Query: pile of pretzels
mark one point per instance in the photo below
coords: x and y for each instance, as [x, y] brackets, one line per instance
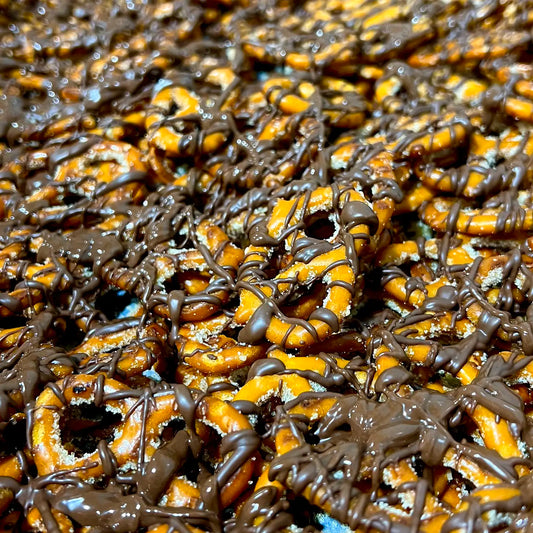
[266, 266]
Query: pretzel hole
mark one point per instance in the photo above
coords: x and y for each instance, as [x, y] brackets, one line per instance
[190, 282]
[228, 513]
[191, 471]
[319, 226]
[84, 425]
[190, 467]
[200, 201]
[210, 455]
[8, 284]
[448, 380]
[464, 431]
[268, 412]
[69, 334]
[71, 198]
[100, 161]
[498, 160]
[274, 265]
[450, 157]
[173, 108]
[306, 515]
[466, 485]
[372, 313]
[240, 375]
[12, 438]
[9, 322]
[419, 466]
[312, 438]
[171, 429]
[304, 300]
[413, 230]
[113, 303]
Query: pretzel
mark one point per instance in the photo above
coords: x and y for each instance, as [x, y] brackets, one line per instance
[120, 127]
[298, 129]
[47, 274]
[123, 59]
[93, 173]
[446, 136]
[447, 132]
[378, 45]
[130, 352]
[203, 346]
[500, 70]
[49, 452]
[169, 138]
[51, 455]
[227, 420]
[336, 55]
[472, 91]
[477, 175]
[427, 292]
[289, 440]
[519, 108]
[482, 221]
[165, 168]
[367, 21]
[476, 47]
[297, 332]
[287, 215]
[281, 92]
[398, 474]
[287, 387]
[278, 130]
[185, 21]
[495, 432]
[215, 260]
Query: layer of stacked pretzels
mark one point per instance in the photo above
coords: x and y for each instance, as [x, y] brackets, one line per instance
[266, 266]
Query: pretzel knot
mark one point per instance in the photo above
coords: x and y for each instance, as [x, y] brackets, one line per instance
[328, 259]
[506, 213]
[175, 110]
[134, 434]
[343, 103]
[111, 171]
[193, 283]
[205, 347]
